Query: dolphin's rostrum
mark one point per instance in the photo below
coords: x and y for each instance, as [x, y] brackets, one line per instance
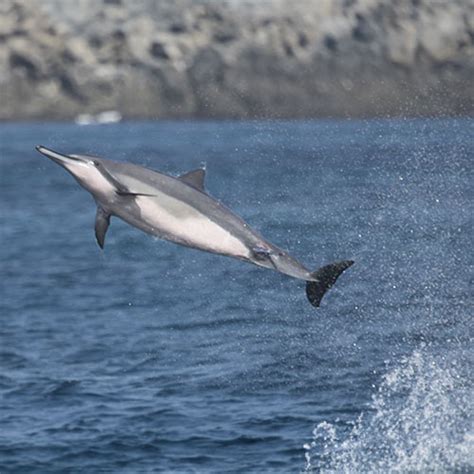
[180, 210]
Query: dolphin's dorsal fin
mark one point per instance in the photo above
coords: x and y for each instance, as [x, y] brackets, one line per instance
[194, 178]
[102, 221]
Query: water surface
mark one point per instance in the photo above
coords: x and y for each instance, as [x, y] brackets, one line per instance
[150, 357]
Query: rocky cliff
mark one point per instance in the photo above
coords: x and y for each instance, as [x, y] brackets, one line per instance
[240, 58]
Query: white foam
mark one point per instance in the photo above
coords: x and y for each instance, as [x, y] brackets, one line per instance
[418, 422]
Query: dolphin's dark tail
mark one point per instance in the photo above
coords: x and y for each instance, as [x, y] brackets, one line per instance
[325, 279]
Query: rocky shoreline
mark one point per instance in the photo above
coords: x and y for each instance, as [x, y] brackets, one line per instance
[236, 59]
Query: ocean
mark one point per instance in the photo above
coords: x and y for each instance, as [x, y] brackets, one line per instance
[151, 357]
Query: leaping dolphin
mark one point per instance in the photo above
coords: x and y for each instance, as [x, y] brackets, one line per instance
[180, 210]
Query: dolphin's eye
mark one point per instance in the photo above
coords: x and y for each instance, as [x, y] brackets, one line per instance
[96, 163]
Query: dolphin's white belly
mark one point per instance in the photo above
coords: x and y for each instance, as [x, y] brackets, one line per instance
[177, 221]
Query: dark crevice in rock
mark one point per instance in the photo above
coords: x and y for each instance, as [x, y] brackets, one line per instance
[19, 61]
[362, 32]
[69, 87]
[178, 28]
[330, 42]
[224, 36]
[303, 40]
[288, 49]
[158, 50]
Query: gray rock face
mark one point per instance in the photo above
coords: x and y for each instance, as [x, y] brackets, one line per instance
[259, 58]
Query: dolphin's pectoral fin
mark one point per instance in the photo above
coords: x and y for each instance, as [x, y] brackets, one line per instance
[102, 221]
[325, 278]
[194, 178]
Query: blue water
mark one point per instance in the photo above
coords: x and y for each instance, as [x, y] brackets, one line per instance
[150, 357]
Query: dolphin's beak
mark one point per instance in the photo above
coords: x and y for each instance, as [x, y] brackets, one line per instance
[60, 159]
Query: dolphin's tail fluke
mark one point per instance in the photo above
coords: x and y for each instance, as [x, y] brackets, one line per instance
[325, 277]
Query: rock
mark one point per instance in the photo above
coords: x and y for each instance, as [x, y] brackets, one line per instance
[185, 58]
[402, 44]
[441, 33]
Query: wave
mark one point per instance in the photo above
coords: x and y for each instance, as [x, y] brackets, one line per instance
[418, 421]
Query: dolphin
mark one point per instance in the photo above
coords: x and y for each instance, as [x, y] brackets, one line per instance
[180, 210]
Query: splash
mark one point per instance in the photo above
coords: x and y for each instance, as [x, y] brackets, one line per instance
[419, 421]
